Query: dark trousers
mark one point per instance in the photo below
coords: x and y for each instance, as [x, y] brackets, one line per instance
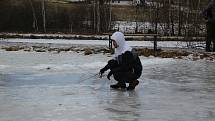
[122, 76]
[125, 77]
[210, 42]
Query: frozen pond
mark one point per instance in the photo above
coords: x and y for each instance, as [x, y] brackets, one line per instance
[54, 87]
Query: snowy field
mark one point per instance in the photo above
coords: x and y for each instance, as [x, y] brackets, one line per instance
[161, 44]
[62, 87]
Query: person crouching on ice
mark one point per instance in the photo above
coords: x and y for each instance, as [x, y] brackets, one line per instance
[125, 66]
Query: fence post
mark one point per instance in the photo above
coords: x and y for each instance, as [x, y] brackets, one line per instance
[155, 43]
[110, 42]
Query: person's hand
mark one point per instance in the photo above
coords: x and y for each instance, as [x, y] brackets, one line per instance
[101, 72]
[109, 75]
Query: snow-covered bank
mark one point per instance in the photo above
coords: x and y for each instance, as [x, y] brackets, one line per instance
[52, 36]
[167, 49]
[101, 36]
[161, 44]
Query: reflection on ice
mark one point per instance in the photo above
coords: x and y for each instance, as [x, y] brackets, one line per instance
[45, 86]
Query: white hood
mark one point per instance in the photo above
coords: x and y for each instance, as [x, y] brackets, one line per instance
[122, 45]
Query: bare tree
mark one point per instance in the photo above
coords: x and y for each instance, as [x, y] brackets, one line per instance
[35, 24]
[110, 9]
[44, 15]
[94, 14]
[196, 17]
[179, 18]
[101, 15]
[187, 18]
[98, 16]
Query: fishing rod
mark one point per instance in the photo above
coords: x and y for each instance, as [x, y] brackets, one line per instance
[99, 75]
[90, 77]
[93, 75]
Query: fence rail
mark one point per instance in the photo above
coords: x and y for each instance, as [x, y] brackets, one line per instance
[155, 36]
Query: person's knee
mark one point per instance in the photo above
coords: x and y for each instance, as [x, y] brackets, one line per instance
[138, 75]
[118, 77]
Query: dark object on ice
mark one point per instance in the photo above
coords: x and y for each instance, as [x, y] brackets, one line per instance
[126, 66]
[209, 14]
[48, 68]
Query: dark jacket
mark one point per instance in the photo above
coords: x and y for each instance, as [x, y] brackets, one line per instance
[209, 12]
[127, 62]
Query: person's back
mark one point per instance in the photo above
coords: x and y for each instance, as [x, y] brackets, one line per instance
[137, 63]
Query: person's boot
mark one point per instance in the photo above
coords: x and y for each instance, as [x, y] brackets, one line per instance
[118, 85]
[132, 85]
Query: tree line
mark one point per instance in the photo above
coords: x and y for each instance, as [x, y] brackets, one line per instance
[169, 17]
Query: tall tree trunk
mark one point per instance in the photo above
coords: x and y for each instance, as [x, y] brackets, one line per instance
[156, 19]
[98, 17]
[150, 15]
[110, 9]
[44, 15]
[94, 15]
[35, 24]
[170, 13]
[187, 19]
[172, 23]
[136, 19]
[179, 18]
[196, 18]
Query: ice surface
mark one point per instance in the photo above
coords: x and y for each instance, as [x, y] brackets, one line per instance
[62, 87]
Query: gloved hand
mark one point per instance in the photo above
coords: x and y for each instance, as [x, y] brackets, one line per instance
[109, 75]
[101, 72]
